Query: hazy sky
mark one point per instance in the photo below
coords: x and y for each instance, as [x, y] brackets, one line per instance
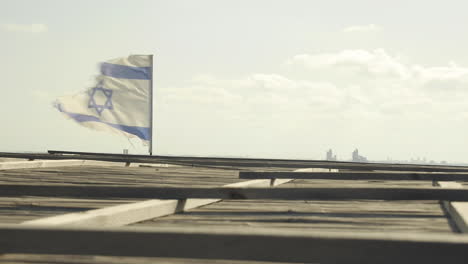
[286, 79]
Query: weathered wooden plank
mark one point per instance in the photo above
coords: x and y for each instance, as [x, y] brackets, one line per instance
[360, 183]
[16, 210]
[355, 215]
[98, 175]
[84, 259]
[112, 216]
[125, 214]
[33, 164]
[347, 215]
[319, 193]
[39, 164]
[457, 210]
[388, 176]
[244, 243]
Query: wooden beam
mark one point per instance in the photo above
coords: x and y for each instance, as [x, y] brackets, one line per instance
[135, 212]
[390, 176]
[458, 211]
[240, 243]
[307, 193]
[114, 215]
[238, 162]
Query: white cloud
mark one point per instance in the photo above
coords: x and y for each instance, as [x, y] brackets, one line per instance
[262, 94]
[390, 85]
[379, 64]
[28, 28]
[362, 28]
[441, 73]
[375, 62]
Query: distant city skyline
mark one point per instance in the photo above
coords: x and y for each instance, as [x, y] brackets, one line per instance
[356, 157]
[271, 79]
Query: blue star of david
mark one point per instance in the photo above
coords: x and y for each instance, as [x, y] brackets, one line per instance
[106, 92]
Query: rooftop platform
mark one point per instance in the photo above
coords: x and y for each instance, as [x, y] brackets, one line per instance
[65, 228]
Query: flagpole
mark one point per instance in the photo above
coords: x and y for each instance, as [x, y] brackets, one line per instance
[151, 107]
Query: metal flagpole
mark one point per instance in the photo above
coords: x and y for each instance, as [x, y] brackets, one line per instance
[151, 108]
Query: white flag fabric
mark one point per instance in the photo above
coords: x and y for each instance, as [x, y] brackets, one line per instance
[120, 100]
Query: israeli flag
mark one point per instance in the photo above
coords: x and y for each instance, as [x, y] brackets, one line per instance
[119, 102]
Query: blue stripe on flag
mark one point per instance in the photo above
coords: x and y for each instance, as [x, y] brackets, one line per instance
[125, 72]
[141, 132]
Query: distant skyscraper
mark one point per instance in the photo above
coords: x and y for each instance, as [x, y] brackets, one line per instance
[330, 155]
[358, 158]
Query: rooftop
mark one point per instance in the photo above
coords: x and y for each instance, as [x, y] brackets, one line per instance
[103, 208]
